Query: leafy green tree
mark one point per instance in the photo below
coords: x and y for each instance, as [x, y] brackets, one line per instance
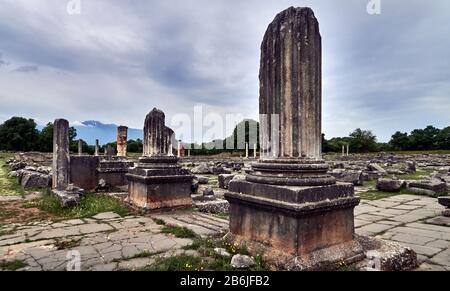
[400, 141]
[424, 139]
[18, 134]
[443, 139]
[135, 146]
[363, 141]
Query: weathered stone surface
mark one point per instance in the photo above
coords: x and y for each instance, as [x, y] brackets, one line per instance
[434, 185]
[35, 180]
[201, 169]
[411, 166]
[291, 86]
[194, 186]
[377, 168]
[389, 185]
[224, 180]
[158, 181]
[70, 197]
[216, 206]
[208, 192]
[444, 201]
[122, 137]
[158, 139]
[61, 159]
[202, 180]
[383, 255]
[348, 176]
[420, 191]
[222, 252]
[242, 262]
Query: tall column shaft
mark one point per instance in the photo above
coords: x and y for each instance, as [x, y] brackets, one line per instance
[290, 86]
[61, 158]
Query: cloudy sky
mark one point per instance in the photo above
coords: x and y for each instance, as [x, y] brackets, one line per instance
[118, 59]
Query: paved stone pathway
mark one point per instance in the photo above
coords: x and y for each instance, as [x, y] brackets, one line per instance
[105, 242]
[109, 242]
[413, 221]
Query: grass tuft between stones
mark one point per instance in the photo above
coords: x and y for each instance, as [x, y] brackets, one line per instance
[91, 205]
[178, 231]
[12, 265]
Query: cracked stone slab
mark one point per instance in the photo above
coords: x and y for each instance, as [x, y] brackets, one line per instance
[106, 215]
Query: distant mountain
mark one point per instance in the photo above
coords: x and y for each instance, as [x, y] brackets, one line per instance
[91, 130]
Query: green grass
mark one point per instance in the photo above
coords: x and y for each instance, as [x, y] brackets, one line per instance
[12, 265]
[416, 176]
[377, 195]
[177, 263]
[179, 231]
[91, 205]
[144, 254]
[193, 263]
[159, 221]
[8, 186]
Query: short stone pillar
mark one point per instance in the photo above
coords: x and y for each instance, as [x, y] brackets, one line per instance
[97, 148]
[246, 150]
[288, 203]
[109, 151]
[61, 156]
[158, 181]
[80, 147]
[122, 138]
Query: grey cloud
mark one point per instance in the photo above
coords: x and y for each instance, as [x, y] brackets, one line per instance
[119, 59]
[27, 69]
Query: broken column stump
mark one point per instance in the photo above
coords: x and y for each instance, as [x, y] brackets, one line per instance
[67, 194]
[288, 206]
[122, 136]
[158, 181]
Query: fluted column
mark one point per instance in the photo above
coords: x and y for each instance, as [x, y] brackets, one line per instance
[290, 86]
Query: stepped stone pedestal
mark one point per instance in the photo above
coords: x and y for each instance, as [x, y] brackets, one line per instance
[158, 181]
[300, 216]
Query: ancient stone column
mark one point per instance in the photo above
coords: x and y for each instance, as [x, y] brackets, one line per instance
[157, 137]
[288, 200]
[246, 150]
[80, 147]
[158, 181]
[61, 158]
[255, 148]
[97, 148]
[122, 137]
[291, 85]
[179, 149]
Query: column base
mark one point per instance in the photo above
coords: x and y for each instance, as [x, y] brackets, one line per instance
[305, 227]
[159, 183]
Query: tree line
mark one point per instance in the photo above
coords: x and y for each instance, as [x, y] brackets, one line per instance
[21, 134]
